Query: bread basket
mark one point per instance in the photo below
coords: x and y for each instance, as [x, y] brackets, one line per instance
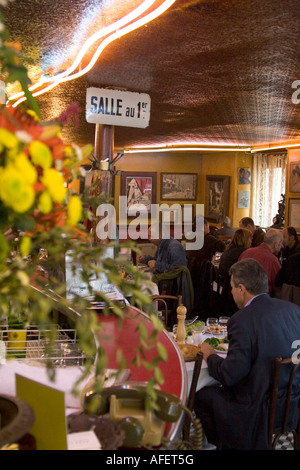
[189, 351]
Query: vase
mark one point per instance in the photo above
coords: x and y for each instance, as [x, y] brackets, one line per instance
[16, 345]
[16, 417]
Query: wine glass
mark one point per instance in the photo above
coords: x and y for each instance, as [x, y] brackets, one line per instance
[211, 325]
[223, 324]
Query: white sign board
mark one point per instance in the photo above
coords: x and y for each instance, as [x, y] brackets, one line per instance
[117, 108]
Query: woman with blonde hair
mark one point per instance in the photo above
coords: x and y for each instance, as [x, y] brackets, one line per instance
[241, 240]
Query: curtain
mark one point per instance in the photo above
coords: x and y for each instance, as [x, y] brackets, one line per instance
[268, 183]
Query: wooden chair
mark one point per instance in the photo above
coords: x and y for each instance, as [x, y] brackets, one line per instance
[191, 398]
[177, 282]
[276, 429]
[167, 304]
[203, 303]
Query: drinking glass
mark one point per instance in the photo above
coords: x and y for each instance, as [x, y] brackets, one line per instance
[223, 324]
[212, 325]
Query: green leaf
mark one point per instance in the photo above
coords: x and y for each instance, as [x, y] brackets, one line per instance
[158, 375]
[162, 351]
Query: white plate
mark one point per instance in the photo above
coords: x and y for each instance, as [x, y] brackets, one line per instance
[220, 351]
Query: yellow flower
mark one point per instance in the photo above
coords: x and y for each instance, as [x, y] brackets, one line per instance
[40, 154]
[74, 210]
[54, 182]
[45, 202]
[8, 139]
[15, 191]
[25, 246]
[23, 165]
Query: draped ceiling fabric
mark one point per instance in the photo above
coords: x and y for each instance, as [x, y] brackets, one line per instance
[268, 181]
[217, 71]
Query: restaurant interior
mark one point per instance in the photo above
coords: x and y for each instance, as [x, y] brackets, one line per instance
[213, 90]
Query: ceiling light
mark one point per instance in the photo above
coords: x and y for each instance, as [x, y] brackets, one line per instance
[116, 30]
[186, 149]
[275, 147]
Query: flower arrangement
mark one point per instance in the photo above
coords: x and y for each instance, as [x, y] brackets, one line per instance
[37, 211]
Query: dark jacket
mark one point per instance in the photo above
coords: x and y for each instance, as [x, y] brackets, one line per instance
[287, 252]
[228, 258]
[290, 272]
[211, 245]
[257, 334]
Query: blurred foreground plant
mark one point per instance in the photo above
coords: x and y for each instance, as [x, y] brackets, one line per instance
[41, 221]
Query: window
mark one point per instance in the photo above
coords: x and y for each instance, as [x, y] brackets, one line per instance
[268, 183]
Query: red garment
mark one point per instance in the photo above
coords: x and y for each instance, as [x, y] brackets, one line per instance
[267, 259]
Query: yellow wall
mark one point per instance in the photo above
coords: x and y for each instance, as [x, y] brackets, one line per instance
[293, 156]
[202, 163]
[209, 163]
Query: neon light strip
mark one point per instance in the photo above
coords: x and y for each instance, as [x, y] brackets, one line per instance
[62, 77]
[277, 147]
[187, 149]
[89, 42]
[182, 144]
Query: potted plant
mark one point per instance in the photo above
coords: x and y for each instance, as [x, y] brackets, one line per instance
[38, 212]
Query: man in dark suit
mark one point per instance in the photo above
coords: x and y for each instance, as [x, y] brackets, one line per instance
[235, 413]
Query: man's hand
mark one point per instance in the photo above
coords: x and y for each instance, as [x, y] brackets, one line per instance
[206, 350]
[139, 259]
[151, 263]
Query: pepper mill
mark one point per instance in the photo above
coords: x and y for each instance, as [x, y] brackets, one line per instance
[180, 333]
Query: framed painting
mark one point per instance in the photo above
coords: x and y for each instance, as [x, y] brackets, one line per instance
[294, 213]
[216, 196]
[244, 175]
[295, 177]
[243, 199]
[140, 189]
[178, 186]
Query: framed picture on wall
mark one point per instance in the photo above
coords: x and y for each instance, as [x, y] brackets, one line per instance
[295, 177]
[178, 186]
[216, 196]
[140, 189]
[244, 175]
[243, 199]
[294, 213]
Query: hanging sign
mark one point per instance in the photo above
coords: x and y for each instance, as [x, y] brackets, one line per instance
[117, 108]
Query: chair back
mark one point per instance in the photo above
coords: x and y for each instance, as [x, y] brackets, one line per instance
[177, 282]
[191, 396]
[290, 293]
[204, 290]
[285, 401]
[167, 304]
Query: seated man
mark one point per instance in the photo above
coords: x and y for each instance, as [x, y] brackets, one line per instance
[290, 272]
[169, 255]
[257, 232]
[211, 245]
[265, 254]
[235, 412]
[291, 244]
[223, 227]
